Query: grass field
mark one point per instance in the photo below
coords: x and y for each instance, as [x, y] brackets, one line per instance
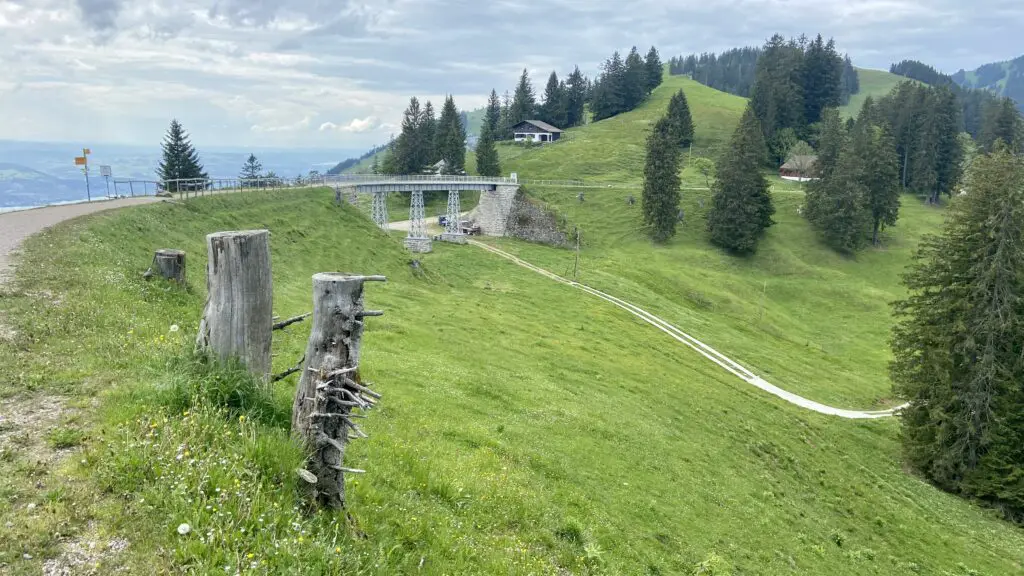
[874, 83]
[526, 429]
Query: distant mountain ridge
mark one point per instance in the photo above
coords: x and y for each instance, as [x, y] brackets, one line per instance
[1003, 78]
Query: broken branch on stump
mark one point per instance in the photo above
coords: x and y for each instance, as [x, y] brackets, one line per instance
[289, 372]
[286, 323]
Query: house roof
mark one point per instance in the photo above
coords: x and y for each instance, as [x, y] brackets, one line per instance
[542, 125]
[799, 162]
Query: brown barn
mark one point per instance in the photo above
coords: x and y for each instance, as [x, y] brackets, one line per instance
[799, 168]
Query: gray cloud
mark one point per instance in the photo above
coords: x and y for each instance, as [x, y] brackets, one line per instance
[100, 15]
[279, 70]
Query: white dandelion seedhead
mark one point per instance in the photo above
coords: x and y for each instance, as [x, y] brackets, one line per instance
[184, 529]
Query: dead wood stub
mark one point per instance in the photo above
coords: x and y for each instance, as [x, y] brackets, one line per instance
[330, 386]
[168, 264]
[238, 317]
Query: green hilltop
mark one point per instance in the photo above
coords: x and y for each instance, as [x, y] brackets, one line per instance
[526, 427]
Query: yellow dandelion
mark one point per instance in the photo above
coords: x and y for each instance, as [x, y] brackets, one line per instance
[250, 555]
[338, 549]
[241, 418]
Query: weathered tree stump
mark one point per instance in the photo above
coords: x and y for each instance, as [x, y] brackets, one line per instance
[238, 318]
[330, 385]
[169, 264]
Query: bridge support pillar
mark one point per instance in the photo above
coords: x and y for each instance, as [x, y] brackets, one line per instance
[417, 240]
[379, 211]
[453, 228]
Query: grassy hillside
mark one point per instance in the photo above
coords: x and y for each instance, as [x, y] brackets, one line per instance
[612, 150]
[874, 83]
[525, 429]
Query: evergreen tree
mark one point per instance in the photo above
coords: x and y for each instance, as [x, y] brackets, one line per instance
[661, 180]
[680, 119]
[487, 154]
[408, 150]
[777, 92]
[850, 81]
[608, 96]
[1002, 121]
[180, 160]
[553, 110]
[428, 137]
[451, 138]
[945, 129]
[524, 103]
[492, 116]
[635, 81]
[830, 142]
[653, 69]
[958, 341]
[252, 169]
[576, 95]
[375, 166]
[838, 206]
[876, 151]
[742, 207]
[821, 74]
[504, 120]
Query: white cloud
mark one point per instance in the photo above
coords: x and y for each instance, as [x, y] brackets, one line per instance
[356, 126]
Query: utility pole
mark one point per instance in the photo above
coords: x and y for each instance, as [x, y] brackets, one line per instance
[83, 161]
[576, 263]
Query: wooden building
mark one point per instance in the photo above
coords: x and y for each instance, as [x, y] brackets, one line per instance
[535, 131]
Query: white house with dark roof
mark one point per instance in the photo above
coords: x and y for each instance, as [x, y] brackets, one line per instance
[535, 131]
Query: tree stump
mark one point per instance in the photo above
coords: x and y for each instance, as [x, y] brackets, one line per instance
[238, 318]
[330, 385]
[169, 264]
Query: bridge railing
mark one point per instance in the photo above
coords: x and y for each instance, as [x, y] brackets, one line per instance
[432, 178]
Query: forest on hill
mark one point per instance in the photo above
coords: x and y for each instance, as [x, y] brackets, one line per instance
[1001, 78]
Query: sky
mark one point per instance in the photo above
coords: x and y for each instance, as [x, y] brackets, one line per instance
[338, 73]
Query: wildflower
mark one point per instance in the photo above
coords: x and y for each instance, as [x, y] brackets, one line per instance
[250, 555]
[174, 328]
[184, 529]
[241, 418]
[338, 549]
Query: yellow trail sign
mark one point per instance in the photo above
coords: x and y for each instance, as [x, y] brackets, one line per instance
[79, 160]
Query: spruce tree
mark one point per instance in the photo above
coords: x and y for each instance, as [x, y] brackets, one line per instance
[553, 110]
[1002, 121]
[777, 92]
[180, 160]
[492, 116]
[451, 138]
[576, 96]
[252, 169]
[375, 166]
[504, 120]
[487, 154]
[680, 119]
[945, 127]
[608, 95]
[880, 175]
[958, 341]
[653, 70]
[741, 208]
[524, 103]
[408, 148]
[831, 139]
[634, 81]
[838, 205]
[661, 181]
[428, 136]
[821, 75]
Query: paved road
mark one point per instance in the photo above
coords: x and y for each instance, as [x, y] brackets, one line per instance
[701, 348]
[16, 226]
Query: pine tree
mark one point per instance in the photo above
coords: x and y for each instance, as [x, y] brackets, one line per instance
[1002, 121]
[830, 142]
[661, 181]
[634, 81]
[553, 110]
[777, 92]
[945, 126]
[408, 150]
[653, 70]
[252, 169]
[486, 154]
[821, 74]
[451, 138]
[958, 340]
[608, 96]
[680, 119]
[428, 136]
[849, 82]
[180, 159]
[880, 175]
[504, 120]
[838, 205]
[742, 207]
[576, 95]
[492, 116]
[524, 103]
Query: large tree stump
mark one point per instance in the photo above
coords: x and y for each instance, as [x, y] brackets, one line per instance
[330, 385]
[238, 318]
[169, 264]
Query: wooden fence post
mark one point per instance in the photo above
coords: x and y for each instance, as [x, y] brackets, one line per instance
[238, 318]
[330, 385]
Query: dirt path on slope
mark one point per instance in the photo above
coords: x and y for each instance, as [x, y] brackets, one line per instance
[701, 348]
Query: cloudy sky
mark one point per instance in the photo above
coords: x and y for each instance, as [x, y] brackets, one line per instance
[337, 73]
